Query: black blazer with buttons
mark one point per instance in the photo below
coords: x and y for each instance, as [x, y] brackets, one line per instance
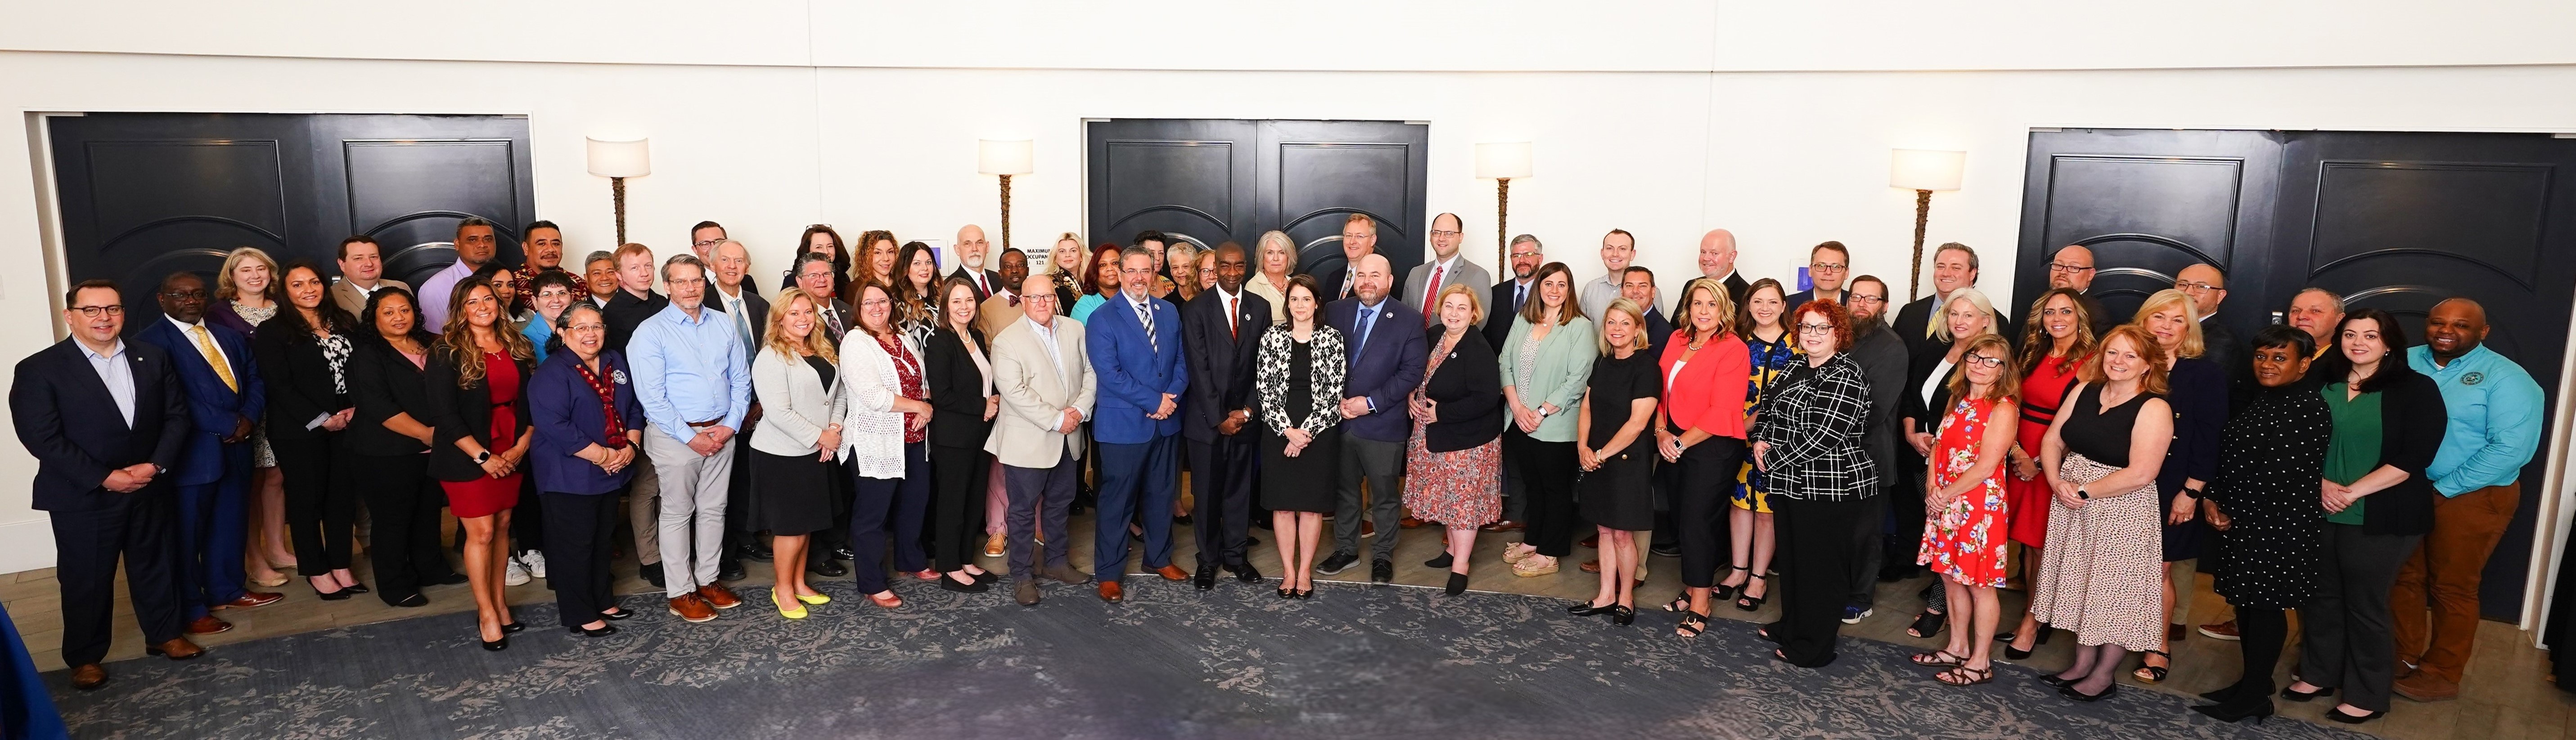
[460, 412]
[1468, 391]
[300, 382]
[382, 385]
[956, 390]
[1220, 364]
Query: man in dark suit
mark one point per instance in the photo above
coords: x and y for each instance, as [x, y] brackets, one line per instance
[2208, 288]
[106, 421]
[971, 248]
[2072, 268]
[1827, 265]
[225, 400]
[627, 308]
[1388, 351]
[1717, 262]
[1220, 334]
[1954, 266]
[749, 314]
[1637, 284]
[1135, 350]
[1504, 303]
[1359, 239]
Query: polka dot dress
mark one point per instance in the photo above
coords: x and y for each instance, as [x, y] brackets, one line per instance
[2268, 466]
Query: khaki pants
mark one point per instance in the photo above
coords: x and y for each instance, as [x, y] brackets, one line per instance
[2446, 570]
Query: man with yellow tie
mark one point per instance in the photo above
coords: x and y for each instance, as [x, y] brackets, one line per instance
[225, 399]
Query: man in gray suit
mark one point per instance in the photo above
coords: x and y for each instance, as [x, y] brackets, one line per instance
[362, 272]
[1045, 381]
[1446, 268]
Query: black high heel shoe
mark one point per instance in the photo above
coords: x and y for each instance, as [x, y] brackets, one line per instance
[512, 628]
[497, 645]
[1623, 615]
[603, 631]
[2258, 710]
[1306, 593]
[2073, 695]
[2225, 693]
[339, 595]
[2353, 719]
[1287, 593]
[2292, 693]
[1727, 593]
[356, 588]
[1753, 603]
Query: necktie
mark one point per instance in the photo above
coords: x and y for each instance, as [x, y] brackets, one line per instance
[1231, 330]
[982, 287]
[206, 346]
[1348, 279]
[1368, 320]
[742, 324]
[1431, 291]
[1520, 293]
[1145, 313]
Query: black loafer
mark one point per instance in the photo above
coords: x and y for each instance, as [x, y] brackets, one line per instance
[414, 601]
[1245, 573]
[603, 631]
[827, 568]
[620, 616]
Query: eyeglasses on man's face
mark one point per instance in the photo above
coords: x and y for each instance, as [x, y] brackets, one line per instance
[2064, 267]
[94, 311]
[2196, 287]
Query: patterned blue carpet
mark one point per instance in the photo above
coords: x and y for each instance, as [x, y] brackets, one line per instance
[1354, 662]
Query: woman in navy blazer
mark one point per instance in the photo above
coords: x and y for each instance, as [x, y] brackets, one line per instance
[588, 429]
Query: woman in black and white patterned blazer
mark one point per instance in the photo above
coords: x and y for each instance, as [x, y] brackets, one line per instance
[1807, 439]
[1300, 385]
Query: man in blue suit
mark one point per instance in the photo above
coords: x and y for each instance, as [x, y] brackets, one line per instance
[105, 420]
[225, 399]
[1388, 351]
[1135, 349]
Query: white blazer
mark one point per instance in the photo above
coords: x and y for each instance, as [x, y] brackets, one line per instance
[795, 404]
[871, 430]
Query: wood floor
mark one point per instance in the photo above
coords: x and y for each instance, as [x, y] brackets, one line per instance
[2507, 694]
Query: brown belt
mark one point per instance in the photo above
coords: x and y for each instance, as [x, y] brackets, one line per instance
[705, 424]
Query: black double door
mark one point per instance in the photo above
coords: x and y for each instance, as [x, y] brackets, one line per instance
[1208, 181]
[147, 194]
[2394, 221]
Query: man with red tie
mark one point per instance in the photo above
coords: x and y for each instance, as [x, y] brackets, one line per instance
[1446, 268]
[1220, 335]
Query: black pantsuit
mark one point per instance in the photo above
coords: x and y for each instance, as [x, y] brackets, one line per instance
[1223, 515]
[1547, 468]
[143, 529]
[958, 477]
[528, 522]
[402, 506]
[1705, 479]
[321, 506]
[1814, 562]
[579, 530]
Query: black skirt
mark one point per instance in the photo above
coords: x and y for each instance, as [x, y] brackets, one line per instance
[1620, 494]
[1303, 483]
[792, 494]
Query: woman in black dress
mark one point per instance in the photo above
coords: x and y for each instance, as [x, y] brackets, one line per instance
[961, 388]
[388, 439]
[304, 358]
[1300, 387]
[1617, 497]
[2264, 506]
[2199, 398]
[795, 484]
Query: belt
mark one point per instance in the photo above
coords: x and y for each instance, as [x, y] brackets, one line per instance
[707, 423]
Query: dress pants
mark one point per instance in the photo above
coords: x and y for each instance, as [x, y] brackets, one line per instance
[321, 510]
[1136, 481]
[958, 477]
[579, 528]
[1705, 477]
[1906, 534]
[402, 539]
[141, 527]
[738, 496]
[997, 499]
[1382, 465]
[2447, 569]
[644, 507]
[898, 504]
[1040, 497]
[1869, 550]
[1815, 577]
[1221, 486]
[1547, 469]
[213, 531]
[692, 523]
[528, 521]
[2344, 631]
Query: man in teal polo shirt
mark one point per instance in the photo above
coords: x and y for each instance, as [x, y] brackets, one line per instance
[2495, 427]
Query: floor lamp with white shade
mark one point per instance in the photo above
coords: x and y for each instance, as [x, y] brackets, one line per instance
[618, 160]
[1923, 171]
[1005, 158]
[1500, 162]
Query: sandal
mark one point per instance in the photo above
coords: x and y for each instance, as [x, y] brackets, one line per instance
[1939, 659]
[1513, 553]
[1927, 624]
[1753, 603]
[1727, 593]
[2153, 673]
[1680, 603]
[1693, 623]
[1959, 675]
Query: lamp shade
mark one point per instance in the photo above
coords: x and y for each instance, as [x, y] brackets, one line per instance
[1509, 159]
[1002, 157]
[620, 158]
[1925, 169]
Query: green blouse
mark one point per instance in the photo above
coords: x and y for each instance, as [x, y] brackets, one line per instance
[2355, 449]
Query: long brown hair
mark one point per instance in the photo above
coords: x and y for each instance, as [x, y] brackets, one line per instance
[1534, 310]
[1744, 321]
[859, 311]
[2035, 342]
[863, 262]
[459, 335]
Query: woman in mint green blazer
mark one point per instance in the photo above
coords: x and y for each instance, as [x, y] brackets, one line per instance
[1546, 362]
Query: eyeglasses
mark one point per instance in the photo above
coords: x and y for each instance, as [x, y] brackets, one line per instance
[2197, 287]
[1444, 232]
[94, 311]
[1807, 328]
[1982, 361]
[707, 242]
[1863, 298]
[183, 295]
[1826, 267]
[2063, 267]
[1531, 253]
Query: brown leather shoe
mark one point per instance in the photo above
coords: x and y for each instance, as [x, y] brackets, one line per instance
[1593, 542]
[1505, 525]
[1172, 573]
[1412, 523]
[208, 625]
[252, 600]
[88, 677]
[1591, 566]
[2426, 687]
[178, 648]
[718, 597]
[1110, 592]
[693, 609]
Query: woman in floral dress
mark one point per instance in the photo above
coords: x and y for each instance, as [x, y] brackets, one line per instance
[1772, 351]
[1966, 514]
[1454, 464]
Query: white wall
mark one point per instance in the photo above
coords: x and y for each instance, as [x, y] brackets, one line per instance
[1664, 119]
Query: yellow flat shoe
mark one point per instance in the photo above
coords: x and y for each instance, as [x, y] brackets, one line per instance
[797, 613]
[817, 599]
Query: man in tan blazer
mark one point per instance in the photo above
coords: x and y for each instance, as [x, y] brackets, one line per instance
[1002, 309]
[362, 273]
[1045, 381]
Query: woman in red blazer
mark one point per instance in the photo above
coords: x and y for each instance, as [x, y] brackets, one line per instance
[1700, 426]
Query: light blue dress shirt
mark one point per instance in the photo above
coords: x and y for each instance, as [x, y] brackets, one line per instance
[689, 370]
[2495, 419]
[117, 371]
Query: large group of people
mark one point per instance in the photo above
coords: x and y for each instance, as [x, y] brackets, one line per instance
[1791, 447]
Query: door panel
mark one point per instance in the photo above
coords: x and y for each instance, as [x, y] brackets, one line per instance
[2145, 212]
[1211, 181]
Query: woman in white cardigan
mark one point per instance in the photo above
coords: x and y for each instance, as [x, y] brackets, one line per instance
[793, 448]
[885, 428]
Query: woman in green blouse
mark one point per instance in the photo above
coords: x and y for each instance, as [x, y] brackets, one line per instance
[1546, 362]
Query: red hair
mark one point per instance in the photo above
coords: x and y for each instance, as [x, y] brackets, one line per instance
[1833, 312]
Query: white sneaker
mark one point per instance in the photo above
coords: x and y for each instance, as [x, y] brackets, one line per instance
[516, 575]
[535, 560]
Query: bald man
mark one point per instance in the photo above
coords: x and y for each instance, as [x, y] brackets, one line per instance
[2207, 288]
[971, 248]
[1717, 262]
[2072, 267]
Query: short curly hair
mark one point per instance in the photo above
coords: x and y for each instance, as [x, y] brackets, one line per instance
[1833, 312]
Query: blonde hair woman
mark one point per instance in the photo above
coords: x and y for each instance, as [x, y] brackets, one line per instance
[793, 448]
[1064, 268]
[2198, 394]
[1619, 399]
[249, 290]
[1455, 459]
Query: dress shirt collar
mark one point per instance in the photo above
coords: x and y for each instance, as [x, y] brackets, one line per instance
[113, 350]
[1228, 298]
[185, 327]
[1142, 303]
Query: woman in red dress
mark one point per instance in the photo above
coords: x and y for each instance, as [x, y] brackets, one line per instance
[476, 376]
[2057, 337]
[1965, 514]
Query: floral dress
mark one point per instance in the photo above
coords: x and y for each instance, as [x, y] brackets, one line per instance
[1458, 488]
[1770, 360]
[1965, 540]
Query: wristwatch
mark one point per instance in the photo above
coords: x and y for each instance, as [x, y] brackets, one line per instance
[2083, 494]
[482, 457]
